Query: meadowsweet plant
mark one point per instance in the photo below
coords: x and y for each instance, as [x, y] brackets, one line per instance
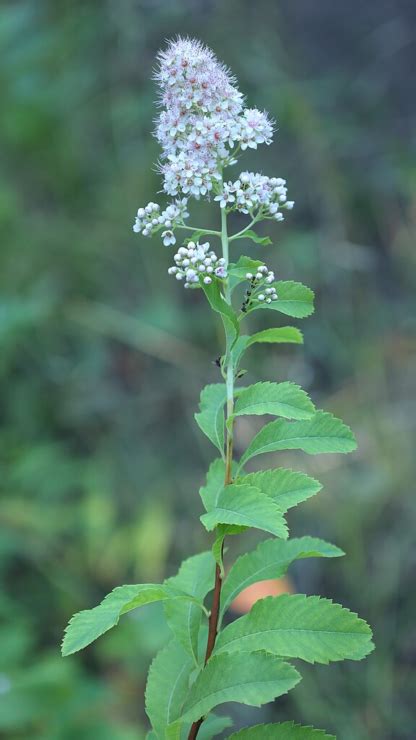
[203, 129]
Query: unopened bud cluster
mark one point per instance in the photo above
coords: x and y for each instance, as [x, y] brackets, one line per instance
[254, 192]
[261, 289]
[151, 219]
[197, 260]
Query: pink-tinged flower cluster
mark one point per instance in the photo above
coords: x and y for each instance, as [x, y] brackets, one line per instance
[253, 193]
[151, 219]
[203, 122]
[197, 260]
[202, 126]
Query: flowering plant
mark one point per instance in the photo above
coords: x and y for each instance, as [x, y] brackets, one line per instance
[203, 128]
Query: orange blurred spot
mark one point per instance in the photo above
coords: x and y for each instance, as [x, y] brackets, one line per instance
[274, 587]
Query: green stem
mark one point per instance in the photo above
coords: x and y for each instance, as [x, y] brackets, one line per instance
[243, 231]
[229, 359]
[215, 610]
[195, 228]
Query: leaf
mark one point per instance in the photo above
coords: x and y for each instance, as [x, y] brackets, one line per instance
[322, 433]
[250, 234]
[249, 679]
[89, 624]
[195, 236]
[297, 626]
[246, 506]
[283, 731]
[286, 487]
[214, 484]
[210, 418]
[244, 265]
[283, 334]
[294, 299]
[213, 725]
[217, 551]
[279, 399]
[238, 350]
[195, 577]
[167, 686]
[271, 559]
[288, 334]
[220, 305]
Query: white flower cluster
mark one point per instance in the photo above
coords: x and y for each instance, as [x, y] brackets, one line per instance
[260, 289]
[151, 219]
[195, 260]
[203, 121]
[254, 192]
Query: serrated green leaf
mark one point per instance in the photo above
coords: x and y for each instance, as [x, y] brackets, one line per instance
[210, 418]
[246, 506]
[214, 484]
[283, 731]
[167, 688]
[322, 433]
[297, 626]
[89, 624]
[195, 577]
[286, 487]
[151, 735]
[271, 559]
[213, 725]
[294, 299]
[279, 399]
[220, 305]
[253, 679]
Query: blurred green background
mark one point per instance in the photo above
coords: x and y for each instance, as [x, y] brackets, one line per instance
[103, 355]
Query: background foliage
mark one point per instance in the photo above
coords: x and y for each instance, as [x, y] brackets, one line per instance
[103, 355]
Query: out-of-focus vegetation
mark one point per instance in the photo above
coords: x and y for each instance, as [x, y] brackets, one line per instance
[103, 355]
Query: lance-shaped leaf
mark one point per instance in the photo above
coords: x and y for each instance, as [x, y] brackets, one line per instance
[297, 626]
[293, 299]
[214, 484]
[253, 679]
[195, 577]
[167, 687]
[283, 731]
[286, 487]
[220, 305]
[210, 418]
[246, 506]
[278, 399]
[322, 433]
[271, 559]
[89, 624]
[279, 335]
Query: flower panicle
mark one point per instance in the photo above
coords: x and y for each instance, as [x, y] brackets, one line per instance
[202, 127]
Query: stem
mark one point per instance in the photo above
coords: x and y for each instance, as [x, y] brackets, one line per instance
[195, 228]
[243, 231]
[215, 610]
